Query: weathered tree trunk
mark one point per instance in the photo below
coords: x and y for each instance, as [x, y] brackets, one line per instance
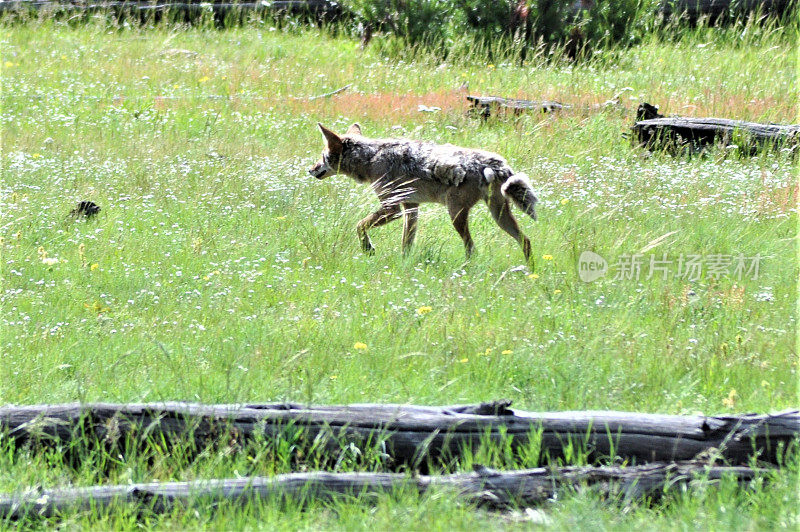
[485, 105]
[716, 9]
[485, 487]
[413, 435]
[655, 131]
[325, 8]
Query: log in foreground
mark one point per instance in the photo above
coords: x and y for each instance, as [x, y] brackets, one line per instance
[655, 131]
[485, 487]
[413, 435]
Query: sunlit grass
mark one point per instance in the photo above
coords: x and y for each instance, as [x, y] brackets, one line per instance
[219, 271]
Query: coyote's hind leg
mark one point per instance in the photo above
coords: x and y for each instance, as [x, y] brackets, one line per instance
[460, 217]
[381, 216]
[410, 214]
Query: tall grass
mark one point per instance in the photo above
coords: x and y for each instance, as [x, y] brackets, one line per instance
[219, 271]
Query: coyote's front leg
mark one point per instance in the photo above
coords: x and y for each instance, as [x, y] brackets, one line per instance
[383, 215]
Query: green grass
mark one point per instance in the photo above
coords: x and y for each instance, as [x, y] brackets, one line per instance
[220, 271]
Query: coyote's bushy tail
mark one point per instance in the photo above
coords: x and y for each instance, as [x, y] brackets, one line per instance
[518, 189]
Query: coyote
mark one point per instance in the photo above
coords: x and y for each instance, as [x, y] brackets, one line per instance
[404, 173]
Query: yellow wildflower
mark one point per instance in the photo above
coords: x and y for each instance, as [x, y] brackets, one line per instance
[464, 360]
[564, 201]
[547, 257]
[506, 352]
[556, 291]
[9, 64]
[533, 276]
[424, 309]
[203, 79]
[360, 345]
[94, 266]
[730, 401]
[97, 307]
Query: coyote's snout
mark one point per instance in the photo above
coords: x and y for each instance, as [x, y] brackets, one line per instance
[404, 173]
[321, 170]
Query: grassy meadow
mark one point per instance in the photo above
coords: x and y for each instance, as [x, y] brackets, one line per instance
[219, 271]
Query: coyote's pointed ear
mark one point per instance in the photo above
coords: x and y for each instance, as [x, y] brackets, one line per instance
[332, 140]
[355, 129]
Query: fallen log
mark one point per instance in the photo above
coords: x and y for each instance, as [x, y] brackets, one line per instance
[275, 5]
[484, 105]
[412, 436]
[485, 487]
[321, 8]
[655, 131]
[716, 9]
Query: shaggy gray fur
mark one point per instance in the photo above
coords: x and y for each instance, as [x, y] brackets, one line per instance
[395, 159]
